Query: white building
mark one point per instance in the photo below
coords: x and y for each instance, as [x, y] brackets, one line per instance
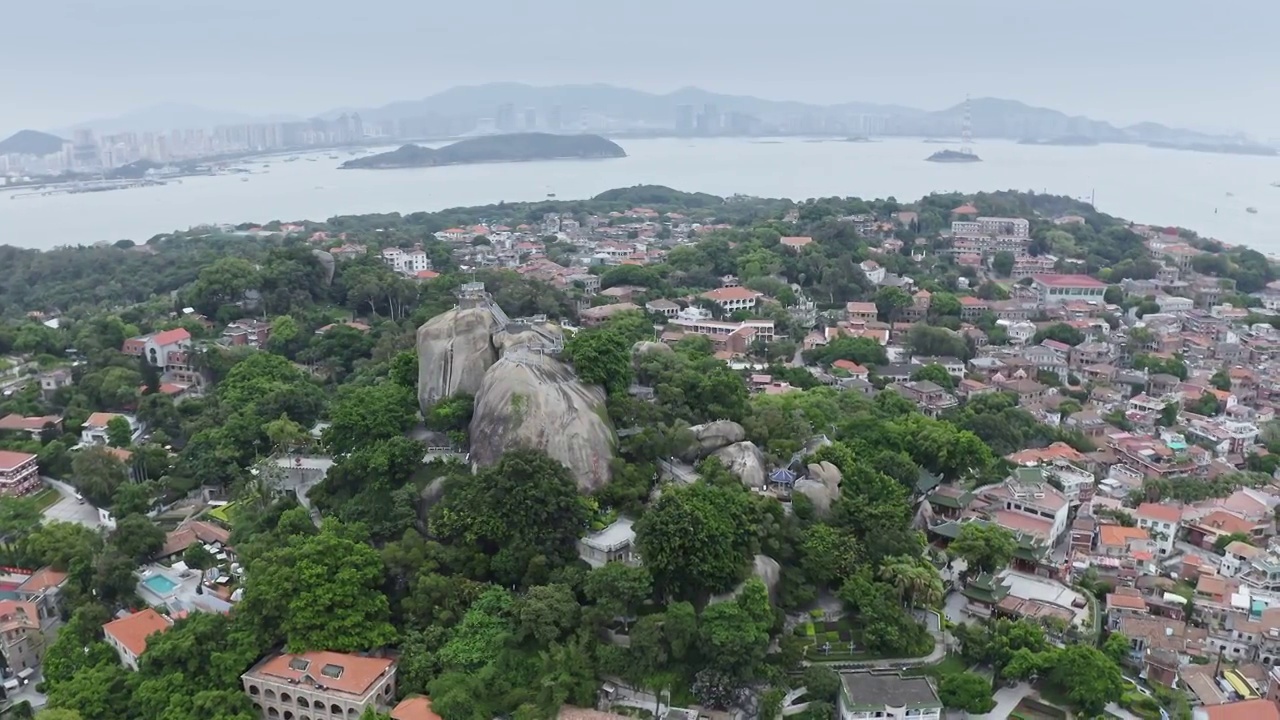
[406, 263]
[320, 684]
[1162, 522]
[615, 543]
[874, 271]
[94, 430]
[733, 298]
[869, 694]
[128, 635]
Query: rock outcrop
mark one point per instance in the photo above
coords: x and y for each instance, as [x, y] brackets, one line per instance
[455, 349]
[645, 347]
[712, 436]
[531, 400]
[327, 262]
[821, 486]
[746, 461]
[764, 567]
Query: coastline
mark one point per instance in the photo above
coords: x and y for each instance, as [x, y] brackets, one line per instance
[1191, 186]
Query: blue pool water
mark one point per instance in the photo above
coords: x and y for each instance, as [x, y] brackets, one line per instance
[160, 584]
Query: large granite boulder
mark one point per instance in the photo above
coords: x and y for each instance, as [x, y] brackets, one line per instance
[746, 461]
[821, 486]
[763, 567]
[455, 348]
[709, 437]
[532, 400]
[327, 262]
[645, 347]
[538, 335]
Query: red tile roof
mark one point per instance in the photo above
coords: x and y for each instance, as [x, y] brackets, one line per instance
[1259, 709]
[414, 707]
[99, 419]
[132, 631]
[1156, 511]
[731, 293]
[14, 421]
[12, 460]
[356, 673]
[42, 579]
[169, 337]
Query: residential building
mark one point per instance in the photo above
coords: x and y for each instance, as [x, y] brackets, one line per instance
[1059, 289]
[736, 337]
[931, 398]
[320, 684]
[247, 333]
[414, 707]
[1162, 521]
[196, 532]
[663, 307]
[600, 313]
[860, 311]
[1238, 557]
[868, 694]
[732, 299]
[19, 473]
[32, 426]
[796, 244]
[162, 349]
[874, 271]
[43, 588]
[615, 543]
[128, 635]
[94, 430]
[53, 381]
[1027, 503]
[22, 638]
[1254, 709]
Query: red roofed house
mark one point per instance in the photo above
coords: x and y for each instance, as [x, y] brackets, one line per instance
[1256, 709]
[156, 347]
[860, 311]
[733, 298]
[128, 635]
[94, 430]
[320, 684]
[1162, 521]
[965, 209]
[19, 473]
[796, 243]
[854, 369]
[414, 707]
[32, 426]
[1059, 289]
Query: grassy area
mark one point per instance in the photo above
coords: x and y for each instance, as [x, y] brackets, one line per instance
[222, 513]
[1030, 709]
[950, 664]
[46, 498]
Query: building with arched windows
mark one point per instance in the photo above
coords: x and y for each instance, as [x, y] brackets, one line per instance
[320, 686]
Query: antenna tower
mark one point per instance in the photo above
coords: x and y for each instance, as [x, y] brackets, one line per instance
[966, 130]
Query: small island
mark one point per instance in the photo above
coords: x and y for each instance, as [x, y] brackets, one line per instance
[953, 156]
[519, 147]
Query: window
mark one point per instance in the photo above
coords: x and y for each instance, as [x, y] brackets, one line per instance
[299, 664]
[331, 671]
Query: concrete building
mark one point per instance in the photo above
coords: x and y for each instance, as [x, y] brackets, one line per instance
[1059, 289]
[161, 349]
[1162, 521]
[615, 543]
[22, 639]
[94, 430]
[887, 694]
[19, 473]
[320, 685]
[128, 635]
[733, 299]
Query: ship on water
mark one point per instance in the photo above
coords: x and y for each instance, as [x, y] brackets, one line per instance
[965, 154]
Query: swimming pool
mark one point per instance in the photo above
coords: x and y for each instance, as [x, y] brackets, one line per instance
[160, 585]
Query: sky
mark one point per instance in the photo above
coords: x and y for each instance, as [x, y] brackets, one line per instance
[1191, 63]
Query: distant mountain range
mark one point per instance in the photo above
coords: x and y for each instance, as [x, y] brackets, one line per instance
[991, 117]
[31, 142]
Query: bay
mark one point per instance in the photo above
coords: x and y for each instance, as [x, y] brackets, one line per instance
[1149, 185]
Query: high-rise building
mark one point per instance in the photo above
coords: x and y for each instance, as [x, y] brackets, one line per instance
[505, 120]
[555, 118]
[684, 119]
[710, 120]
[530, 119]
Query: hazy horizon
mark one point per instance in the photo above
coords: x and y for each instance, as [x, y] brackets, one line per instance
[1167, 62]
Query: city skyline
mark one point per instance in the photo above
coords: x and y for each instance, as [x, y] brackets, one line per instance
[1167, 62]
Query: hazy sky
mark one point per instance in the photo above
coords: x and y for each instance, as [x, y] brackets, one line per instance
[1203, 64]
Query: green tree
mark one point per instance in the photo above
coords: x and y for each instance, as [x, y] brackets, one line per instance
[97, 474]
[365, 415]
[890, 301]
[1061, 332]
[967, 692]
[1223, 541]
[524, 507]
[821, 683]
[1002, 263]
[1169, 415]
[547, 613]
[601, 357]
[319, 591]
[62, 545]
[119, 432]
[1090, 679]
[698, 540]
[935, 373]
[1116, 647]
[197, 558]
[1221, 380]
[618, 590]
[985, 547]
[19, 517]
[137, 537]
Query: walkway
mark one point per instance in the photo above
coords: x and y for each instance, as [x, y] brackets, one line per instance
[68, 509]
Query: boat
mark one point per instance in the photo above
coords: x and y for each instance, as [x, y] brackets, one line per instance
[953, 156]
[1275, 184]
[1231, 194]
[551, 195]
[1251, 210]
[244, 179]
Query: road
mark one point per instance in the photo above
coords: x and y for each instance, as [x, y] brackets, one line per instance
[68, 509]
